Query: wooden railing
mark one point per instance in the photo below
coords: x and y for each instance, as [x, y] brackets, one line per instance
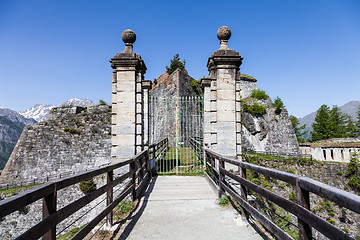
[301, 209]
[138, 173]
[155, 150]
[197, 145]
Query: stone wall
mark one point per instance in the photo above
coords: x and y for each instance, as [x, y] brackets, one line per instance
[247, 85]
[72, 143]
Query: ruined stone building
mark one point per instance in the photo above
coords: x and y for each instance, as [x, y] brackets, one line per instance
[334, 150]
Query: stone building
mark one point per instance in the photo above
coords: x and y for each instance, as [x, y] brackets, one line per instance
[334, 150]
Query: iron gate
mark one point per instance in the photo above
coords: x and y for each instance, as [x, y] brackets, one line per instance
[180, 120]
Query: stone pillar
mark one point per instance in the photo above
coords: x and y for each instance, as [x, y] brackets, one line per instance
[146, 86]
[222, 127]
[127, 101]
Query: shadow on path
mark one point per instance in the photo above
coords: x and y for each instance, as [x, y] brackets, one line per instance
[138, 211]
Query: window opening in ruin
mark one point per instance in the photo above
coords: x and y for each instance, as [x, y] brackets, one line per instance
[332, 154]
[342, 153]
[324, 152]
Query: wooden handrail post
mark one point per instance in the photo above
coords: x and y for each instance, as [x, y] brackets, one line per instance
[133, 179]
[244, 213]
[221, 178]
[49, 207]
[109, 198]
[212, 162]
[147, 159]
[303, 199]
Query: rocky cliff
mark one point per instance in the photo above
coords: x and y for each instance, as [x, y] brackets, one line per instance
[270, 133]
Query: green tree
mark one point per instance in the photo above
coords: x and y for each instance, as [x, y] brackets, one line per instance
[278, 103]
[321, 126]
[102, 102]
[353, 172]
[358, 123]
[350, 128]
[337, 123]
[175, 63]
[299, 130]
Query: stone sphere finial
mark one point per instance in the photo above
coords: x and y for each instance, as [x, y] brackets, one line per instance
[224, 33]
[128, 36]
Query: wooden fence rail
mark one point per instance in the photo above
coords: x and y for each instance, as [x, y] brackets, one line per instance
[301, 209]
[138, 172]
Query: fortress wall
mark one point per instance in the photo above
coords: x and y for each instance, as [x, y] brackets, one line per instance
[72, 143]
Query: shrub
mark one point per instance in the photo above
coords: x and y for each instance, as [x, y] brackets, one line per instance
[88, 186]
[292, 196]
[72, 131]
[256, 181]
[255, 109]
[259, 94]
[278, 104]
[224, 201]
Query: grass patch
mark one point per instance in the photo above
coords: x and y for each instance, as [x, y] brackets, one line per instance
[15, 190]
[122, 209]
[70, 234]
[224, 201]
[259, 94]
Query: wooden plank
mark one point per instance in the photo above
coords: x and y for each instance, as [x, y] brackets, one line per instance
[109, 198]
[85, 230]
[267, 223]
[221, 178]
[244, 214]
[213, 185]
[12, 204]
[42, 227]
[49, 207]
[68, 181]
[305, 215]
[283, 176]
[303, 199]
[338, 196]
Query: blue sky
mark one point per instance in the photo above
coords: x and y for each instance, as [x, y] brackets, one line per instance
[306, 52]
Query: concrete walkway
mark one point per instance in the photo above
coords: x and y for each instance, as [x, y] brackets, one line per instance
[181, 207]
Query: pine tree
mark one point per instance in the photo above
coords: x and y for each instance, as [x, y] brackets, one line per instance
[358, 123]
[350, 128]
[175, 63]
[337, 123]
[299, 131]
[321, 126]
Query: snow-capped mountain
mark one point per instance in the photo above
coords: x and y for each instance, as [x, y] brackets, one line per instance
[78, 102]
[14, 116]
[39, 112]
[11, 126]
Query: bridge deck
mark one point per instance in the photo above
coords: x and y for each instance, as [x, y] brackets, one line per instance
[182, 207]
